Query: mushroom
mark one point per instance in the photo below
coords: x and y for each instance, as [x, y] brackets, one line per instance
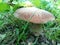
[34, 15]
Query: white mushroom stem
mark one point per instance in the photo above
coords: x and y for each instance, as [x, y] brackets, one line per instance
[29, 43]
[36, 29]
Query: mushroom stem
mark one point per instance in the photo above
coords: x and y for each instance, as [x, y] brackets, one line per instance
[29, 43]
[36, 29]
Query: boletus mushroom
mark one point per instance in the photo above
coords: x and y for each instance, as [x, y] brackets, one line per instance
[34, 15]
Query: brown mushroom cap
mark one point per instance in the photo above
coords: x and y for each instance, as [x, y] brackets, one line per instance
[34, 15]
